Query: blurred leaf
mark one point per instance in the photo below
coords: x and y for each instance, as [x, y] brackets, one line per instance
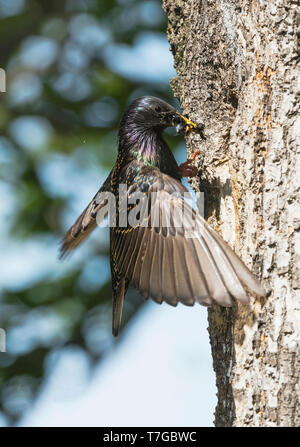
[60, 307]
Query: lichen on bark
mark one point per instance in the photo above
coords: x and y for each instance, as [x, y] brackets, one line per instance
[236, 64]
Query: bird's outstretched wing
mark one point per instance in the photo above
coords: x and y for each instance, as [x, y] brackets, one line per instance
[172, 263]
[85, 223]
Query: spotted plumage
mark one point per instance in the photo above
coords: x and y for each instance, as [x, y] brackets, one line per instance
[161, 260]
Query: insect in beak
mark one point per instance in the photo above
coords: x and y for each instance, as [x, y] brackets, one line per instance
[190, 127]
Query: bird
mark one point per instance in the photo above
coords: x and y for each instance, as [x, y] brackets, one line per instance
[162, 261]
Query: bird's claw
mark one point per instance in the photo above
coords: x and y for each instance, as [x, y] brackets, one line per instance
[185, 170]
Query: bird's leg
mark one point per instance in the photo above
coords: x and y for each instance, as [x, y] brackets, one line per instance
[185, 170]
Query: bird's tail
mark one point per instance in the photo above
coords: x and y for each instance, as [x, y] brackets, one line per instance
[118, 299]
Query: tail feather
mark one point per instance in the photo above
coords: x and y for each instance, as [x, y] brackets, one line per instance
[118, 299]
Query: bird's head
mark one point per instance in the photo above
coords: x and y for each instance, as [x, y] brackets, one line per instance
[149, 112]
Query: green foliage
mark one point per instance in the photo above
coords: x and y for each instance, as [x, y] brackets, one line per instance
[67, 85]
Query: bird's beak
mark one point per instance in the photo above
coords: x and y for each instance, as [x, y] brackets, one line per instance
[190, 127]
[182, 124]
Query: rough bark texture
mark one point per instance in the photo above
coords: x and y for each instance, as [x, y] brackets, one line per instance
[237, 72]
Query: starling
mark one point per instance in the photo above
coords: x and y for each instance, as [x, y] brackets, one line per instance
[160, 260]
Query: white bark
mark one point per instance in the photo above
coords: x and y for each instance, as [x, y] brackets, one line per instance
[237, 72]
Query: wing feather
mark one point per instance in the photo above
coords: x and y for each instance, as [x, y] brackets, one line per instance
[165, 264]
[85, 223]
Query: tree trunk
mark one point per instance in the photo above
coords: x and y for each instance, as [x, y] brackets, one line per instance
[236, 62]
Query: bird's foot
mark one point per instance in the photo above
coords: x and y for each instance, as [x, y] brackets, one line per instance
[185, 170]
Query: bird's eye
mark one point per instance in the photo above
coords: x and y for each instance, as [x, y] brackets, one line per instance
[157, 109]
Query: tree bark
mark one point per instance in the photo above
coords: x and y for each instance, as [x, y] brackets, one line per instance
[236, 62]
